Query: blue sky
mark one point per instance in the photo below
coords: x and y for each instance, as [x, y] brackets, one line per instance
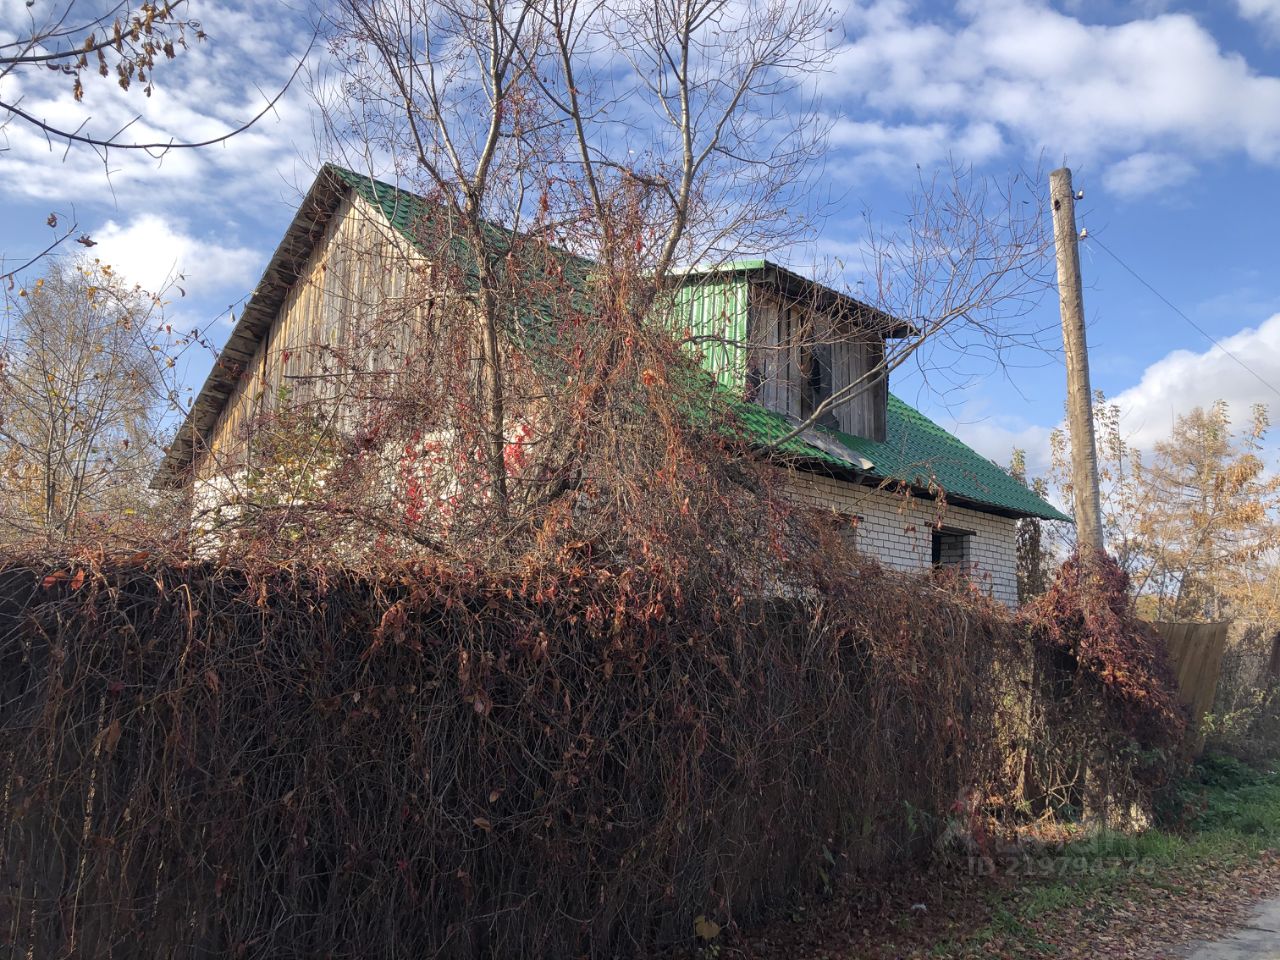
[1168, 113]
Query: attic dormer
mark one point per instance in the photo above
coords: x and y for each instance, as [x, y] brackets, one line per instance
[790, 344]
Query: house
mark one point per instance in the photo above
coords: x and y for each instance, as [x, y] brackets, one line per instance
[916, 495]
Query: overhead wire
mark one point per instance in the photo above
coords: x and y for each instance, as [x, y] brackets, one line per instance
[1195, 326]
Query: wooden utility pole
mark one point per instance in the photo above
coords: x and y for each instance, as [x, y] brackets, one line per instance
[1084, 453]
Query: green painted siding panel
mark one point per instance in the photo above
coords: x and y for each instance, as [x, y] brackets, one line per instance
[717, 310]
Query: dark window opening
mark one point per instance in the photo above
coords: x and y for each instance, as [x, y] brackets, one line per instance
[816, 382]
[755, 378]
[951, 547]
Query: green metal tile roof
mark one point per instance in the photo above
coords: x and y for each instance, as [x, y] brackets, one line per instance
[404, 210]
[408, 213]
[412, 215]
[916, 451]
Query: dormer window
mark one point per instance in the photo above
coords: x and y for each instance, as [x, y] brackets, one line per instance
[804, 352]
[790, 345]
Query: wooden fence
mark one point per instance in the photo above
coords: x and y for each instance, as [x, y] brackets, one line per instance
[1195, 651]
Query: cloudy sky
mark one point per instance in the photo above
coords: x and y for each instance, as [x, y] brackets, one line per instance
[1168, 113]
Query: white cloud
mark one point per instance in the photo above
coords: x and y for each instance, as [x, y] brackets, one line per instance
[1145, 173]
[208, 90]
[995, 439]
[1050, 82]
[1246, 372]
[1266, 13]
[1171, 387]
[887, 146]
[152, 251]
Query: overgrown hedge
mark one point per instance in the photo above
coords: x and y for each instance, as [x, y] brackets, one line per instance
[1106, 722]
[200, 762]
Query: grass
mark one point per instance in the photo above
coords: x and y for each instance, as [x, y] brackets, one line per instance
[1231, 816]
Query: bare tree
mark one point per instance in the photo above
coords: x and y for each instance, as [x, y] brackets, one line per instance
[443, 87]
[573, 160]
[119, 42]
[964, 268]
[510, 115]
[708, 117]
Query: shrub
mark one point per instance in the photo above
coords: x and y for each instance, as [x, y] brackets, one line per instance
[552, 763]
[1110, 725]
[1245, 720]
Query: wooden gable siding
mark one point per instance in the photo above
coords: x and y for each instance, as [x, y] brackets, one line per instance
[855, 361]
[334, 325]
[775, 349]
[779, 331]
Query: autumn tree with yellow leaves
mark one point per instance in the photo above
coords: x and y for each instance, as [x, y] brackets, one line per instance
[1210, 518]
[1195, 523]
[84, 382]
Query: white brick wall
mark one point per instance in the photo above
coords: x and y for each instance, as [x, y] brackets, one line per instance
[894, 529]
[898, 531]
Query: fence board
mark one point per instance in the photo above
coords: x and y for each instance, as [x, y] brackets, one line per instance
[1195, 652]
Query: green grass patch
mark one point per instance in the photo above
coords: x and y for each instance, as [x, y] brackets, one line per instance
[1236, 812]
[1048, 898]
[1233, 814]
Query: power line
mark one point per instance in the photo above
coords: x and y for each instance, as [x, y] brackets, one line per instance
[1199, 329]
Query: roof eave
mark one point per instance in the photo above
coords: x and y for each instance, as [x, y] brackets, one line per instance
[792, 284]
[871, 478]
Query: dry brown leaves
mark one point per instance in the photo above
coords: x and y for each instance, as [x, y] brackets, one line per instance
[952, 915]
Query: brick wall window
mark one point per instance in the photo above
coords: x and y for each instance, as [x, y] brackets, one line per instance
[899, 533]
[951, 547]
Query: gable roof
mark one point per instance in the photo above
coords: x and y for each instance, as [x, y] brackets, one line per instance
[283, 270]
[404, 211]
[916, 451]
